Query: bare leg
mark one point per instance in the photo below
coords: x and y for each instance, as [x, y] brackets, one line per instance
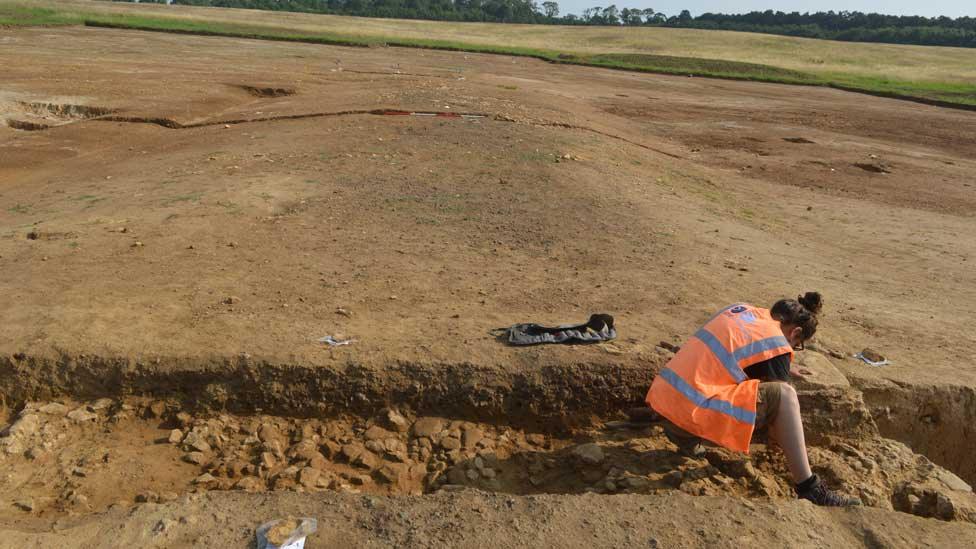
[787, 429]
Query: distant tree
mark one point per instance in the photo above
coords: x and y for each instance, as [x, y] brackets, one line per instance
[551, 9]
[631, 16]
[648, 14]
[611, 15]
[592, 15]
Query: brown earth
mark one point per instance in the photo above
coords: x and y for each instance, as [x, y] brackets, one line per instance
[184, 217]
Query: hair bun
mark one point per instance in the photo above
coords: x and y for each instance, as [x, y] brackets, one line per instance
[811, 301]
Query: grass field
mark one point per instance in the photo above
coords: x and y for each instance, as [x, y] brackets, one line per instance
[933, 74]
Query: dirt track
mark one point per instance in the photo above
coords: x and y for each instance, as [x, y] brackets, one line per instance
[204, 263]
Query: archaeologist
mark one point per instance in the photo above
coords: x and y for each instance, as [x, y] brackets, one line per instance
[730, 378]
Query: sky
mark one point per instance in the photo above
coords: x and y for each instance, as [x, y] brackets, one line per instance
[931, 8]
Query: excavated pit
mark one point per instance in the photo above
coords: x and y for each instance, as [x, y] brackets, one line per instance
[938, 421]
[267, 91]
[26, 126]
[64, 111]
[78, 424]
[38, 116]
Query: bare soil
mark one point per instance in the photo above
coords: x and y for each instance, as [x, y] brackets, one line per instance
[183, 218]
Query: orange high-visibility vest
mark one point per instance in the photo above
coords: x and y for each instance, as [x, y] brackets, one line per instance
[703, 389]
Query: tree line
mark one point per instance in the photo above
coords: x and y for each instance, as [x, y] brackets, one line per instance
[850, 26]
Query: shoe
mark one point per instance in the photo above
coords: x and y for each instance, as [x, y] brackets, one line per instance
[821, 495]
[688, 445]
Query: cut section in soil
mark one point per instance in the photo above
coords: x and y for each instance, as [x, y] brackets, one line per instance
[269, 91]
[938, 421]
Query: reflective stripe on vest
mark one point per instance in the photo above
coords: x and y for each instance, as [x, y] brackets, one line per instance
[689, 392]
[704, 390]
[722, 354]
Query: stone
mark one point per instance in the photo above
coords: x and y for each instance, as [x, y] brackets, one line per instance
[175, 436]
[674, 478]
[196, 458]
[471, 437]
[450, 443]
[634, 483]
[194, 441]
[590, 453]
[54, 409]
[427, 427]
[237, 468]
[269, 433]
[275, 447]
[304, 449]
[26, 426]
[81, 415]
[377, 433]
[367, 460]
[26, 504]
[249, 484]
[268, 460]
[488, 473]
[472, 475]
[290, 472]
[952, 481]
[156, 410]
[100, 404]
[824, 373]
[375, 446]
[318, 461]
[205, 479]
[390, 473]
[536, 439]
[308, 477]
[396, 421]
[350, 452]
[184, 419]
[331, 449]
[394, 445]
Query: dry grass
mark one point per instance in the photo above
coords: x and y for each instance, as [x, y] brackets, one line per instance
[822, 57]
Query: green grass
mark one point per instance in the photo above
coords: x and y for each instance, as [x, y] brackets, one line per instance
[949, 94]
[20, 15]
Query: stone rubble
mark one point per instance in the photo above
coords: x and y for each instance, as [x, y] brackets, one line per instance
[393, 453]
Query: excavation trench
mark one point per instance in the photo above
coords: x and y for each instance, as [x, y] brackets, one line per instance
[77, 424]
[550, 397]
[175, 125]
[938, 421]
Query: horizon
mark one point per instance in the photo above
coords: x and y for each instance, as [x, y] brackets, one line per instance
[948, 8]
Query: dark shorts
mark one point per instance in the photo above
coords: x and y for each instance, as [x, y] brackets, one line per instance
[767, 403]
